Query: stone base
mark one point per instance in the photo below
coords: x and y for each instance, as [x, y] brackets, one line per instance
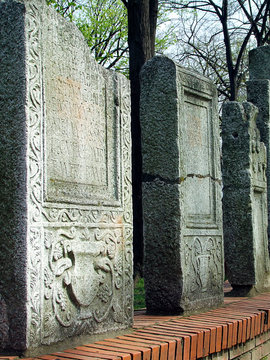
[242, 290]
[248, 290]
[194, 307]
[71, 342]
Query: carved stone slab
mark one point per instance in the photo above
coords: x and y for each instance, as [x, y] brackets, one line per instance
[181, 189]
[66, 214]
[244, 200]
[258, 92]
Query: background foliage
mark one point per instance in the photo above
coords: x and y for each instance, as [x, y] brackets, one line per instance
[104, 24]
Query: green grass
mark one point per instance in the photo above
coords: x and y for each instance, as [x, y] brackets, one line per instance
[139, 295]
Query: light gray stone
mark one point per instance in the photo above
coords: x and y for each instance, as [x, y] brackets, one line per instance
[65, 190]
[182, 213]
[244, 200]
[258, 92]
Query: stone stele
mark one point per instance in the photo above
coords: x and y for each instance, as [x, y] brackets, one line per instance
[244, 200]
[66, 215]
[182, 209]
[258, 92]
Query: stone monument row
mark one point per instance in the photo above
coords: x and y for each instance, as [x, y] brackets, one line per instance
[65, 190]
[182, 209]
[66, 214]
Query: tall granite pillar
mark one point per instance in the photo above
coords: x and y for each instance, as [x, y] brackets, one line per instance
[244, 200]
[182, 213]
[258, 92]
[65, 189]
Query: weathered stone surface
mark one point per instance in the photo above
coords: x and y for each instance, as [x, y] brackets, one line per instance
[259, 65]
[66, 216]
[183, 265]
[244, 199]
[258, 92]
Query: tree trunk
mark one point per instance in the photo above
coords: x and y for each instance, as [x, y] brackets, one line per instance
[142, 19]
[228, 47]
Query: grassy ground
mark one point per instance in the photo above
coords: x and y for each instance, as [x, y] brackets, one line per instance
[139, 295]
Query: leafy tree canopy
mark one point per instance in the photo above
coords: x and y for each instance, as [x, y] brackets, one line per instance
[104, 24]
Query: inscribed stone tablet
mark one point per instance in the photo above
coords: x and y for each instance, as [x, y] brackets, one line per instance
[66, 194]
[183, 265]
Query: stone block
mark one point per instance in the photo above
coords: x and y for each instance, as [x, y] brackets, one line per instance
[257, 353]
[258, 92]
[246, 356]
[262, 338]
[259, 65]
[66, 214]
[182, 213]
[237, 350]
[266, 348]
[223, 355]
[244, 199]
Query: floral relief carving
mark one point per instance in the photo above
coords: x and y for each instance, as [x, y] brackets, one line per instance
[127, 201]
[84, 272]
[34, 113]
[203, 261]
[258, 159]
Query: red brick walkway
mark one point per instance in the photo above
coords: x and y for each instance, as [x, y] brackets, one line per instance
[181, 338]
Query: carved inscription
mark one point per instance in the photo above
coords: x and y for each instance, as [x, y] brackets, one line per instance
[81, 135]
[197, 132]
[198, 159]
[77, 145]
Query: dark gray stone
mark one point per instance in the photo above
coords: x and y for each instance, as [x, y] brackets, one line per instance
[258, 92]
[65, 190]
[244, 200]
[259, 64]
[13, 192]
[182, 213]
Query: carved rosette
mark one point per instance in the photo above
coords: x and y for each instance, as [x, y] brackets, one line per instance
[203, 264]
[80, 257]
